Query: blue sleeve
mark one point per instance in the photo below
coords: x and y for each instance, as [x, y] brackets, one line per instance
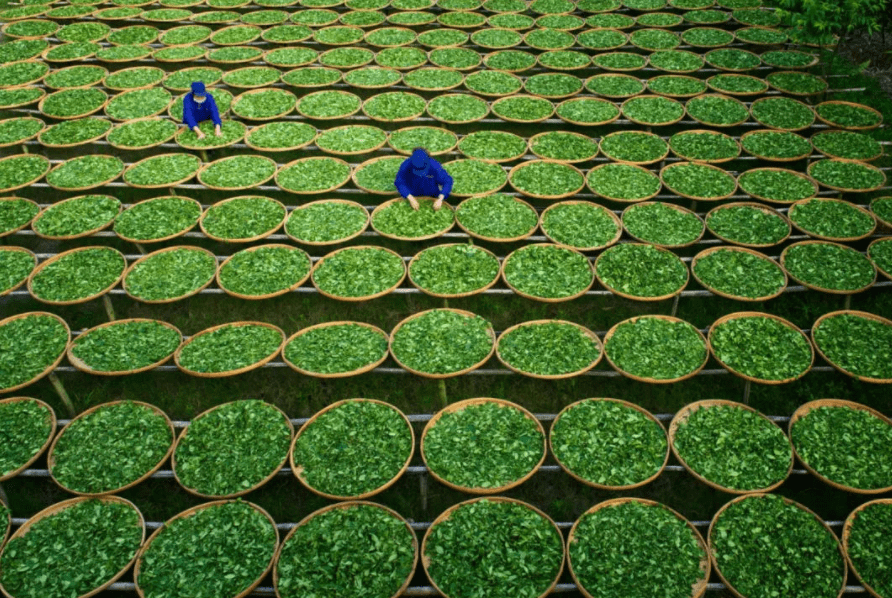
[443, 179]
[212, 107]
[188, 116]
[401, 182]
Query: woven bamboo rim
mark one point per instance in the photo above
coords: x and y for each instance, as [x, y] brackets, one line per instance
[875, 265]
[561, 96]
[802, 202]
[336, 117]
[635, 200]
[683, 71]
[135, 68]
[83, 367]
[22, 18]
[811, 142]
[777, 128]
[61, 506]
[52, 417]
[682, 416]
[389, 203]
[32, 181]
[455, 68]
[442, 46]
[18, 228]
[441, 88]
[353, 153]
[192, 511]
[618, 75]
[113, 118]
[76, 143]
[694, 197]
[168, 237]
[860, 314]
[728, 69]
[697, 590]
[191, 43]
[25, 103]
[425, 559]
[79, 235]
[587, 482]
[290, 288]
[265, 58]
[86, 187]
[337, 24]
[140, 147]
[359, 168]
[315, 191]
[258, 32]
[579, 372]
[347, 505]
[495, 239]
[168, 60]
[659, 158]
[788, 91]
[846, 535]
[452, 295]
[496, 160]
[581, 123]
[5, 31]
[32, 81]
[183, 130]
[51, 456]
[467, 314]
[576, 295]
[648, 379]
[737, 93]
[46, 55]
[885, 224]
[563, 195]
[706, 132]
[718, 125]
[715, 291]
[813, 62]
[384, 86]
[366, 368]
[532, 142]
[517, 120]
[757, 314]
[234, 105]
[787, 501]
[273, 473]
[487, 57]
[673, 207]
[365, 297]
[14, 249]
[650, 124]
[165, 184]
[404, 29]
[64, 254]
[615, 69]
[390, 120]
[240, 60]
[298, 469]
[876, 187]
[243, 187]
[242, 370]
[462, 25]
[29, 137]
[603, 48]
[336, 241]
[260, 85]
[805, 409]
[878, 114]
[460, 406]
[783, 259]
[605, 211]
[7, 525]
[640, 298]
[246, 139]
[756, 206]
[74, 116]
[144, 258]
[262, 235]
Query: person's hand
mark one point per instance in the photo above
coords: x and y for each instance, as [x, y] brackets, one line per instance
[217, 131]
[439, 203]
[198, 133]
[413, 202]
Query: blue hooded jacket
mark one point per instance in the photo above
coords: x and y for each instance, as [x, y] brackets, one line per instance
[422, 176]
[194, 113]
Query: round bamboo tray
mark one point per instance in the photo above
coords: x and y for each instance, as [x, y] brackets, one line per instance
[811, 142]
[247, 141]
[659, 158]
[18, 228]
[516, 120]
[646, 299]
[351, 153]
[649, 380]
[429, 89]
[336, 241]
[146, 146]
[814, 59]
[737, 93]
[265, 58]
[805, 409]
[26, 102]
[622, 110]
[253, 184]
[790, 92]
[356, 372]
[547, 299]
[159, 185]
[70, 237]
[581, 123]
[24, 139]
[788, 129]
[831, 200]
[675, 95]
[46, 55]
[276, 469]
[86, 187]
[290, 288]
[64, 254]
[51, 457]
[182, 131]
[789, 502]
[263, 84]
[50, 367]
[61, 506]
[467, 314]
[167, 108]
[878, 114]
[461, 405]
[347, 505]
[7, 525]
[380, 208]
[869, 248]
[714, 291]
[168, 237]
[101, 106]
[490, 56]
[584, 330]
[793, 159]
[454, 122]
[11, 248]
[846, 535]
[298, 470]
[83, 367]
[673, 207]
[885, 225]
[32, 181]
[134, 265]
[718, 125]
[532, 142]
[406, 153]
[32, 81]
[336, 117]
[5, 31]
[694, 197]
[843, 189]
[500, 160]
[366, 297]
[706, 132]
[49, 438]
[705, 564]
[636, 200]
[757, 206]
[170, 61]
[136, 68]
[605, 211]
[615, 69]
[353, 177]
[751, 314]
[783, 259]
[452, 295]
[77, 143]
[379, 45]
[579, 478]
[862, 314]
[257, 32]
[565, 194]
[248, 368]
[244, 94]
[682, 416]
[192, 511]
[262, 235]
[445, 515]
[495, 239]
[315, 191]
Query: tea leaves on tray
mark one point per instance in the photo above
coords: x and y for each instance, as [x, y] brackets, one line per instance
[26, 426]
[662, 224]
[496, 216]
[868, 546]
[453, 269]
[125, 346]
[336, 348]
[831, 218]
[326, 222]
[264, 270]
[243, 218]
[170, 274]
[77, 216]
[549, 348]
[358, 272]
[829, 266]
[21, 362]
[858, 345]
[740, 274]
[548, 271]
[641, 270]
[15, 266]
[580, 225]
[157, 218]
[761, 347]
[229, 348]
[650, 347]
[442, 342]
[78, 275]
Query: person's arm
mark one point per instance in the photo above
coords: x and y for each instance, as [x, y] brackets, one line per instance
[444, 180]
[402, 184]
[188, 115]
[215, 114]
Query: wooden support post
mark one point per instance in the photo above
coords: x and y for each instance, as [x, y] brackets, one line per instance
[24, 149]
[141, 249]
[60, 390]
[746, 392]
[109, 310]
[847, 304]
[444, 398]
[675, 304]
[422, 488]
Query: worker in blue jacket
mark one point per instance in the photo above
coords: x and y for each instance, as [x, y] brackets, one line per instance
[199, 106]
[421, 175]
